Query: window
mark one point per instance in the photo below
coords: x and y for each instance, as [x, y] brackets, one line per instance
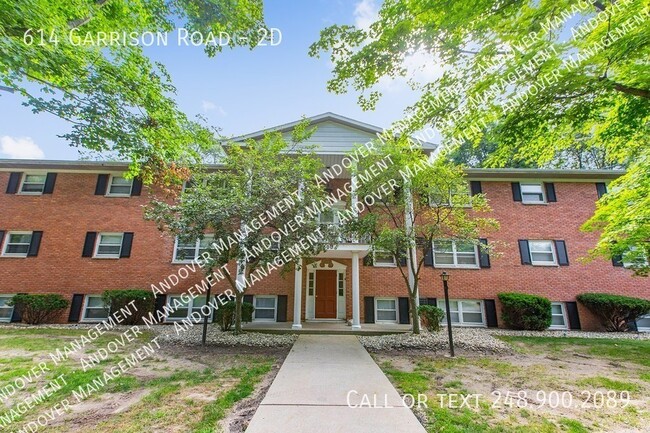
[189, 309]
[109, 245]
[455, 254]
[264, 308]
[464, 312]
[329, 217]
[119, 186]
[310, 283]
[532, 193]
[33, 184]
[542, 253]
[17, 244]
[6, 311]
[454, 196]
[634, 259]
[341, 283]
[185, 252]
[386, 310]
[558, 316]
[383, 258]
[95, 310]
[643, 323]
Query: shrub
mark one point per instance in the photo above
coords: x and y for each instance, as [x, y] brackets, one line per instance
[615, 311]
[225, 314]
[431, 316]
[143, 300]
[524, 311]
[36, 309]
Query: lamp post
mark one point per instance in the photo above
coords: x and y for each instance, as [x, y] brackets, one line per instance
[445, 278]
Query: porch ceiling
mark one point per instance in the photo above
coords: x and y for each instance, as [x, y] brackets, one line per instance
[345, 251]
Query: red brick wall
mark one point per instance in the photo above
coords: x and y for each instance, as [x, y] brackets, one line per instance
[72, 210]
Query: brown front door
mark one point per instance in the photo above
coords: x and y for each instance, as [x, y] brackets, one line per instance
[326, 294]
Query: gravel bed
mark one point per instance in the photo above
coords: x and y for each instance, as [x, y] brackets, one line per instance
[576, 334]
[192, 337]
[470, 339]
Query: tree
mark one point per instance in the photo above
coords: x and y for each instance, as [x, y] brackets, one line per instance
[429, 201]
[114, 96]
[270, 178]
[545, 72]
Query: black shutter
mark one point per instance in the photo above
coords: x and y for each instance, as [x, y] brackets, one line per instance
[632, 326]
[572, 312]
[601, 189]
[34, 244]
[17, 314]
[475, 187]
[484, 256]
[282, 309]
[75, 308]
[367, 260]
[127, 241]
[136, 189]
[248, 298]
[490, 313]
[617, 260]
[102, 184]
[402, 258]
[369, 309]
[428, 257]
[516, 191]
[524, 252]
[160, 302]
[404, 318]
[550, 192]
[50, 179]
[89, 244]
[562, 256]
[14, 181]
[2, 235]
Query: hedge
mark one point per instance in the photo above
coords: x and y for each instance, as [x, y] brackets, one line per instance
[36, 309]
[143, 300]
[431, 317]
[524, 311]
[225, 314]
[615, 311]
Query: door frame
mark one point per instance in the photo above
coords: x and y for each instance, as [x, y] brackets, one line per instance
[340, 269]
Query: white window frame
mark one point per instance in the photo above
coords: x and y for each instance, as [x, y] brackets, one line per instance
[275, 308]
[190, 308]
[110, 183]
[538, 263]
[563, 314]
[6, 307]
[85, 309]
[632, 265]
[450, 198]
[377, 320]
[96, 255]
[643, 328]
[197, 248]
[393, 264]
[24, 178]
[6, 244]
[454, 253]
[543, 192]
[461, 322]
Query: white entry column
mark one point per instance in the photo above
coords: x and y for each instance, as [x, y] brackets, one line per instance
[356, 323]
[297, 297]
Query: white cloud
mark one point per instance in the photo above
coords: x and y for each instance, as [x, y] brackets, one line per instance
[365, 13]
[20, 148]
[207, 106]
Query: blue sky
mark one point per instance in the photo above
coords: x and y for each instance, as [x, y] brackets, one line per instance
[239, 91]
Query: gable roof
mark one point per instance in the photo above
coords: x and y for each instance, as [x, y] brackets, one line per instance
[319, 119]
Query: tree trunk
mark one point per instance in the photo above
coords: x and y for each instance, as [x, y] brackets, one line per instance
[415, 317]
[238, 301]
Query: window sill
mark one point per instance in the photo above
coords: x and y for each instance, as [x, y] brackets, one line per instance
[183, 262]
[558, 328]
[11, 256]
[117, 195]
[384, 265]
[106, 258]
[546, 265]
[455, 267]
[465, 325]
[29, 193]
[542, 203]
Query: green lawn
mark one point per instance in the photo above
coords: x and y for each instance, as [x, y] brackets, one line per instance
[176, 389]
[582, 371]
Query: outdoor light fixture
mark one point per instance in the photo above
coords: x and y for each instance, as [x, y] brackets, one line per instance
[445, 277]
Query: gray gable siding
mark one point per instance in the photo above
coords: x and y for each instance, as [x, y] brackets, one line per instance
[332, 137]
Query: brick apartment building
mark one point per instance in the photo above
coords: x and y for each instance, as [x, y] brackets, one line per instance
[76, 228]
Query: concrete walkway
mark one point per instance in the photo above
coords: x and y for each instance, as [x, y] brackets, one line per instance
[321, 378]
